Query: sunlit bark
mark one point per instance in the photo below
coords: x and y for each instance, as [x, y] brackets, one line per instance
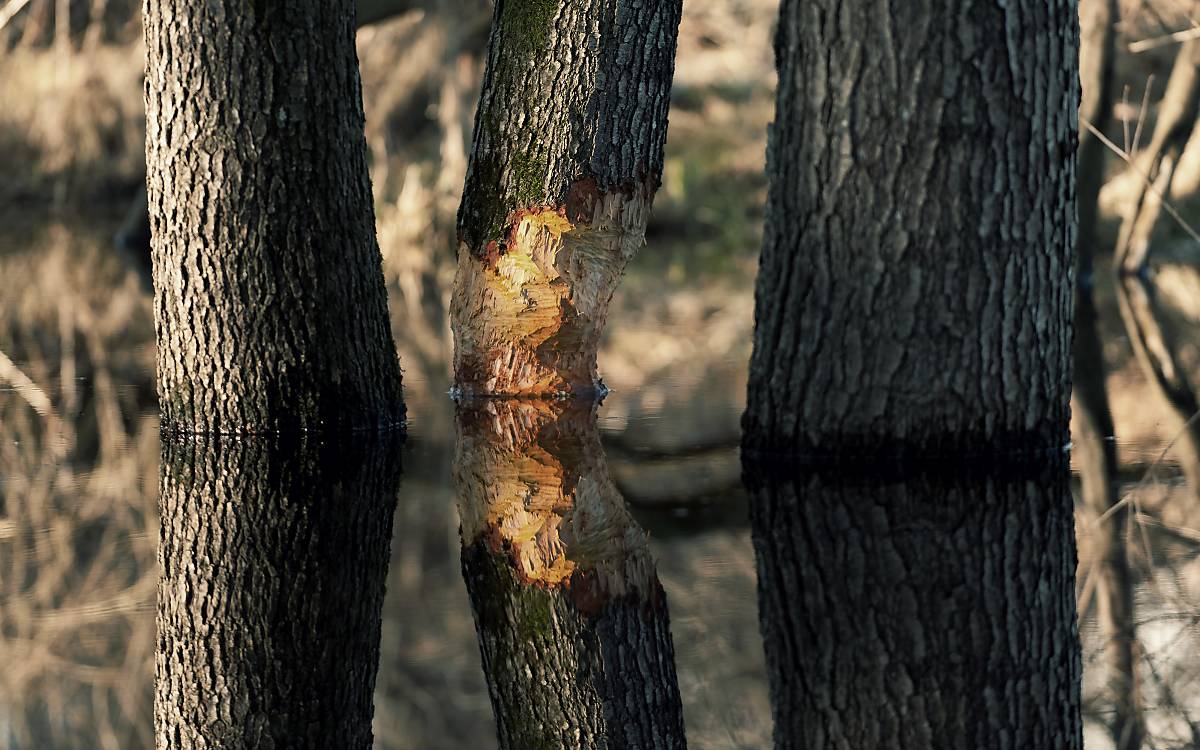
[567, 155]
[274, 558]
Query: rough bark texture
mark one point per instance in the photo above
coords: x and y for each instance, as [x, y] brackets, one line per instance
[270, 304]
[571, 617]
[567, 155]
[921, 611]
[914, 293]
[274, 560]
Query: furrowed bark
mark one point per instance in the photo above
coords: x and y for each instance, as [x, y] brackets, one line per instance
[274, 558]
[567, 155]
[571, 617]
[919, 611]
[270, 304]
[914, 292]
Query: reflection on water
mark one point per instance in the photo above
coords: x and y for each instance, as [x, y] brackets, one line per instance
[273, 559]
[571, 617]
[79, 525]
[921, 610]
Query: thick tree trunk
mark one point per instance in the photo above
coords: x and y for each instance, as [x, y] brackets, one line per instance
[572, 620]
[919, 611]
[274, 559]
[914, 293]
[567, 155]
[270, 305]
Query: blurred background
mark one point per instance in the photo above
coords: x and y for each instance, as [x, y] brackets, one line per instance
[78, 418]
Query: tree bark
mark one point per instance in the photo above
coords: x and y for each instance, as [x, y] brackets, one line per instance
[914, 293]
[567, 155]
[919, 611]
[571, 617]
[270, 305]
[274, 558]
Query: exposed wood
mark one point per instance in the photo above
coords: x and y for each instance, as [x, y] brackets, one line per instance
[567, 155]
[571, 617]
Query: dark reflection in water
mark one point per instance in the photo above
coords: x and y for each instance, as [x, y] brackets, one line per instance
[921, 610]
[273, 558]
[571, 617]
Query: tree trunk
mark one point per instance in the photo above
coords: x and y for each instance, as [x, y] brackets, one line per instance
[567, 155]
[270, 309]
[571, 618]
[274, 559]
[919, 611]
[914, 293]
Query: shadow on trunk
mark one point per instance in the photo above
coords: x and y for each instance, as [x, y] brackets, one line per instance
[274, 558]
[571, 618]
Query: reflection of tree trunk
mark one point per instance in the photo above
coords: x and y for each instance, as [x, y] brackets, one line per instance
[914, 288]
[572, 620]
[919, 612]
[271, 310]
[273, 562]
[1095, 449]
[1096, 457]
[567, 155]
[1177, 114]
[1155, 351]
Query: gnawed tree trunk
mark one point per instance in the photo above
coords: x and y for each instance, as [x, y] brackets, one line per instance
[914, 292]
[571, 618]
[919, 610]
[274, 558]
[270, 305]
[567, 155]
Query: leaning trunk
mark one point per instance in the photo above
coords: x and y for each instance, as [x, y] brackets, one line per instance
[914, 292]
[567, 155]
[270, 305]
[274, 559]
[571, 617]
[919, 611]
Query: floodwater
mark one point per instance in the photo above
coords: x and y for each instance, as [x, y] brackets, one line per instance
[79, 490]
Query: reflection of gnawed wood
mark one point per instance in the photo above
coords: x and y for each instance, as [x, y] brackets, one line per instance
[572, 620]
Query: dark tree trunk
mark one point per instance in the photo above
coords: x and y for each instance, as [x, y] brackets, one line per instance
[567, 155]
[270, 305]
[274, 559]
[920, 611]
[914, 293]
[571, 617]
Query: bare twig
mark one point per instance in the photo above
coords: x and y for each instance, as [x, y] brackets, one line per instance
[25, 387]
